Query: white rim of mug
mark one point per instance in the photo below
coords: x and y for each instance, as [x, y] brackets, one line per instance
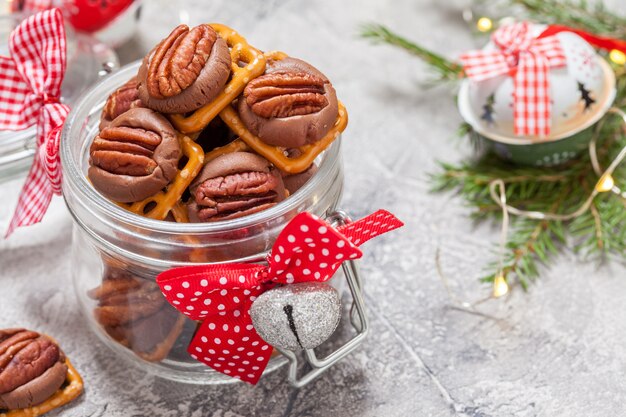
[470, 118]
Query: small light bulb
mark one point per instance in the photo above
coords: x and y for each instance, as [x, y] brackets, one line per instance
[484, 24]
[617, 57]
[605, 184]
[500, 286]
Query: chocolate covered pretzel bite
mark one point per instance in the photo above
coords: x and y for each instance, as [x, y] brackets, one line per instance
[291, 105]
[184, 71]
[35, 375]
[135, 156]
[234, 185]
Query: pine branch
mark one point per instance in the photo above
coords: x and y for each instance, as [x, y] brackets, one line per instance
[590, 16]
[531, 243]
[448, 70]
[597, 233]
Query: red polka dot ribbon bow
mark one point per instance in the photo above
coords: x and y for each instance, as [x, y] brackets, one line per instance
[30, 89]
[308, 249]
[528, 60]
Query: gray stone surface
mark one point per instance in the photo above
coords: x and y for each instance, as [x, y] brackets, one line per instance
[559, 350]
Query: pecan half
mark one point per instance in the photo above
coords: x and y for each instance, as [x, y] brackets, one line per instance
[247, 192]
[134, 312]
[235, 185]
[153, 337]
[285, 94]
[185, 70]
[32, 368]
[120, 101]
[135, 157]
[178, 60]
[125, 299]
[291, 105]
[125, 151]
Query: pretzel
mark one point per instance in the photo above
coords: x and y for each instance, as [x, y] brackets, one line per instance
[237, 145]
[275, 55]
[240, 51]
[73, 388]
[275, 154]
[166, 201]
[180, 213]
[162, 349]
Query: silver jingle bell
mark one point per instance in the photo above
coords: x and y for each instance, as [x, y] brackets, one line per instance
[297, 316]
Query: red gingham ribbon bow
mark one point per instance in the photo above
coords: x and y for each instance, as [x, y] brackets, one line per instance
[30, 87]
[528, 60]
[308, 249]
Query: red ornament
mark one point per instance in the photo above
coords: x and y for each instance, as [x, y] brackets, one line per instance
[93, 15]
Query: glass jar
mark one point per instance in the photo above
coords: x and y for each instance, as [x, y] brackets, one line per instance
[116, 254]
[87, 61]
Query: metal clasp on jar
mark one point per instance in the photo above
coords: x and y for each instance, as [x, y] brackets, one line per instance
[358, 319]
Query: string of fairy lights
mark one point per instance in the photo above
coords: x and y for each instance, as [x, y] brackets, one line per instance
[606, 183]
[497, 188]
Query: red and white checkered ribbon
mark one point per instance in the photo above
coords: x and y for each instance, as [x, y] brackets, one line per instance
[30, 90]
[528, 60]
